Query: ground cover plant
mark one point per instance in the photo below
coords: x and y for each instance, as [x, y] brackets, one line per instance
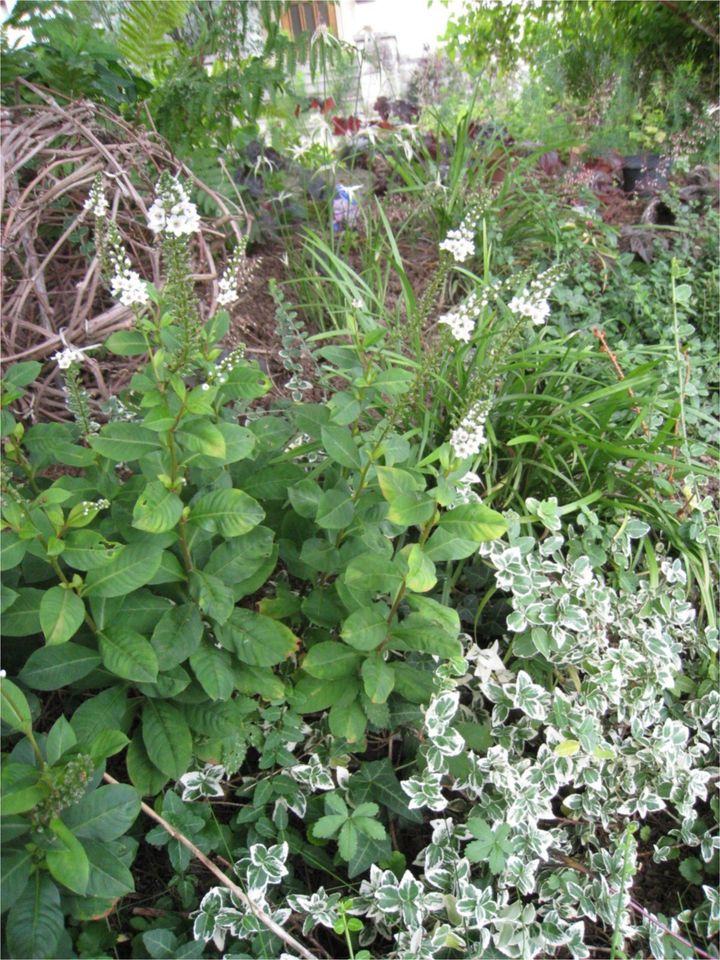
[397, 638]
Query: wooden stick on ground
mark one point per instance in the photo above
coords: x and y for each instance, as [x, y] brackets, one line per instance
[224, 880]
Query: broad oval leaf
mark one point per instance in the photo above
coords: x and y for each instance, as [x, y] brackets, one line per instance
[62, 612]
[330, 660]
[365, 629]
[213, 669]
[105, 813]
[257, 640]
[132, 567]
[228, 512]
[124, 442]
[157, 509]
[167, 738]
[50, 668]
[129, 655]
[35, 923]
[67, 860]
[473, 521]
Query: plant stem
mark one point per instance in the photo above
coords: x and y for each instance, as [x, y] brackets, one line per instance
[225, 880]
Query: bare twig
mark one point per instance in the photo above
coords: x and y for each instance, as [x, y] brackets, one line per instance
[224, 879]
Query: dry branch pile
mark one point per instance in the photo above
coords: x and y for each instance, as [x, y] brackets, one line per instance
[52, 292]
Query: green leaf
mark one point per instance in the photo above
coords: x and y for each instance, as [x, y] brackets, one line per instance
[568, 748]
[444, 545]
[59, 739]
[107, 744]
[14, 875]
[372, 828]
[376, 780]
[35, 922]
[20, 788]
[395, 483]
[213, 669]
[328, 826]
[203, 437]
[177, 635]
[105, 813]
[258, 681]
[348, 720]
[133, 566]
[23, 617]
[14, 708]
[416, 632]
[50, 668]
[330, 660]
[142, 772]
[214, 597]
[369, 574]
[411, 510]
[271, 483]
[305, 497]
[167, 738]
[230, 513]
[369, 851]
[378, 678]
[416, 686]
[473, 521]
[124, 442]
[127, 343]
[335, 510]
[421, 575]
[67, 860]
[110, 877]
[366, 629]
[312, 694]
[241, 557]
[62, 613]
[21, 374]
[128, 654]
[106, 710]
[157, 510]
[12, 550]
[347, 840]
[257, 640]
[341, 447]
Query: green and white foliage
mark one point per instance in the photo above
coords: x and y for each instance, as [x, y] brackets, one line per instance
[551, 807]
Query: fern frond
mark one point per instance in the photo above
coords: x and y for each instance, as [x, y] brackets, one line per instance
[144, 30]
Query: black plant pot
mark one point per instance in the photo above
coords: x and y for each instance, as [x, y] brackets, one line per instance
[645, 174]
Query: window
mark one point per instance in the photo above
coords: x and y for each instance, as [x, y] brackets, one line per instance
[306, 16]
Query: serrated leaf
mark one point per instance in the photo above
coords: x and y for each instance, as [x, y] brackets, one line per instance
[348, 840]
[62, 613]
